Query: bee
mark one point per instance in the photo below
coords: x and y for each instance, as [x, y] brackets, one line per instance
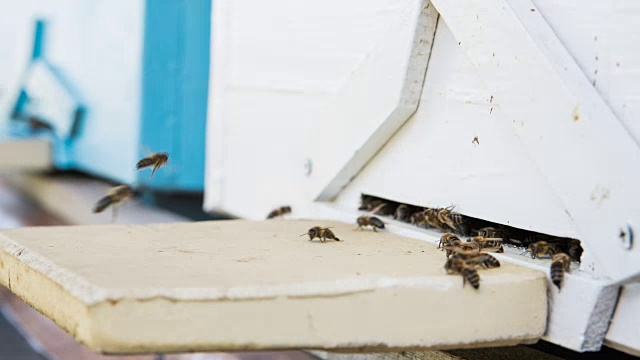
[418, 218]
[541, 248]
[281, 211]
[491, 232]
[445, 240]
[115, 197]
[403, 213]
[459, 266]
[431, 218]
[447, 217]
[468, 246]
[486, 243]
[156, 160]
[372, 221]
[320, 233]
[560, 264]
[477, 260]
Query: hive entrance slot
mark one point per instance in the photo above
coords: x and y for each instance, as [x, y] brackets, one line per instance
[448, 220]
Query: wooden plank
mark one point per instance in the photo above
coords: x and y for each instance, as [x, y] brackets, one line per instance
[569, 131]
[375, 102]
[244, 285]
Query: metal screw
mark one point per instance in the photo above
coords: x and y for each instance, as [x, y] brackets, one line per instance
[626, 236]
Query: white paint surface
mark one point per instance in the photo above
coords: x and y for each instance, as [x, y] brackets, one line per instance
[432, 161]
[98, 46]
[570, 133]
[272, 72]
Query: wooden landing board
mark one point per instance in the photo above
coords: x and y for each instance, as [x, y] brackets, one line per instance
[255, 285]
[25, 155]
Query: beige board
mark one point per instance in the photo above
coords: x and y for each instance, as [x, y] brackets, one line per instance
[255, 285]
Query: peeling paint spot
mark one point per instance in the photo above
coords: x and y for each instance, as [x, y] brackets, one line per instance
[491, 100]
[533, 10]
[491, 110]
[247, 259]
[599, 194]
[576, 112]
[475, 140]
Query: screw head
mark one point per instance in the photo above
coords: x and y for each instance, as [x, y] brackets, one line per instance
[626, 236]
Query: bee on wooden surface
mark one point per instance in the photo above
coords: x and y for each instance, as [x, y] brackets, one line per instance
[560, 264]
[446, 239]
[156, 160]
[478, 260]
[403, 213]
[491, 232]
[281, 211]
[541, 248]
[466, 246]
[372, 221]
[320, 233]
[115, 197]
[486, 243]
[459, 266]
[432, 219]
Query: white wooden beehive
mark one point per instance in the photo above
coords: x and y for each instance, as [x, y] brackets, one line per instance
[312, 104]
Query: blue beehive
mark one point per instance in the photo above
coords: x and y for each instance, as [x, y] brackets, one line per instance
[114, 81]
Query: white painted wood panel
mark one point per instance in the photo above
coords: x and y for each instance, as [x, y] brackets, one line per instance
[432, 161]
[601, 37]
[272, 72]
[570, 133]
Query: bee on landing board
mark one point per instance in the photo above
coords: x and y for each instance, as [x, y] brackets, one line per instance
[446, 239]
[281, 211]
[541, 248]
[114, 198]
[372, 221]
[476, 260]
[156, 160]
[320, 233]
[459, 266]
[560, 264]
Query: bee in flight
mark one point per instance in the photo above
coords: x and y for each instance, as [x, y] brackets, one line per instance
[281, 211]
[320, 233]
[560, 264]
[114, 198]
[156, 160]
[372, 221]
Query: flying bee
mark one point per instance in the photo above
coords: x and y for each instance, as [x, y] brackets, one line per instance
[372, 221]
[403, 213]
[541, 248]
[445, 240]
[560, 264]
[114, 198]
[320, 233]
[156, 160]
[281, 211]
[459, 266]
